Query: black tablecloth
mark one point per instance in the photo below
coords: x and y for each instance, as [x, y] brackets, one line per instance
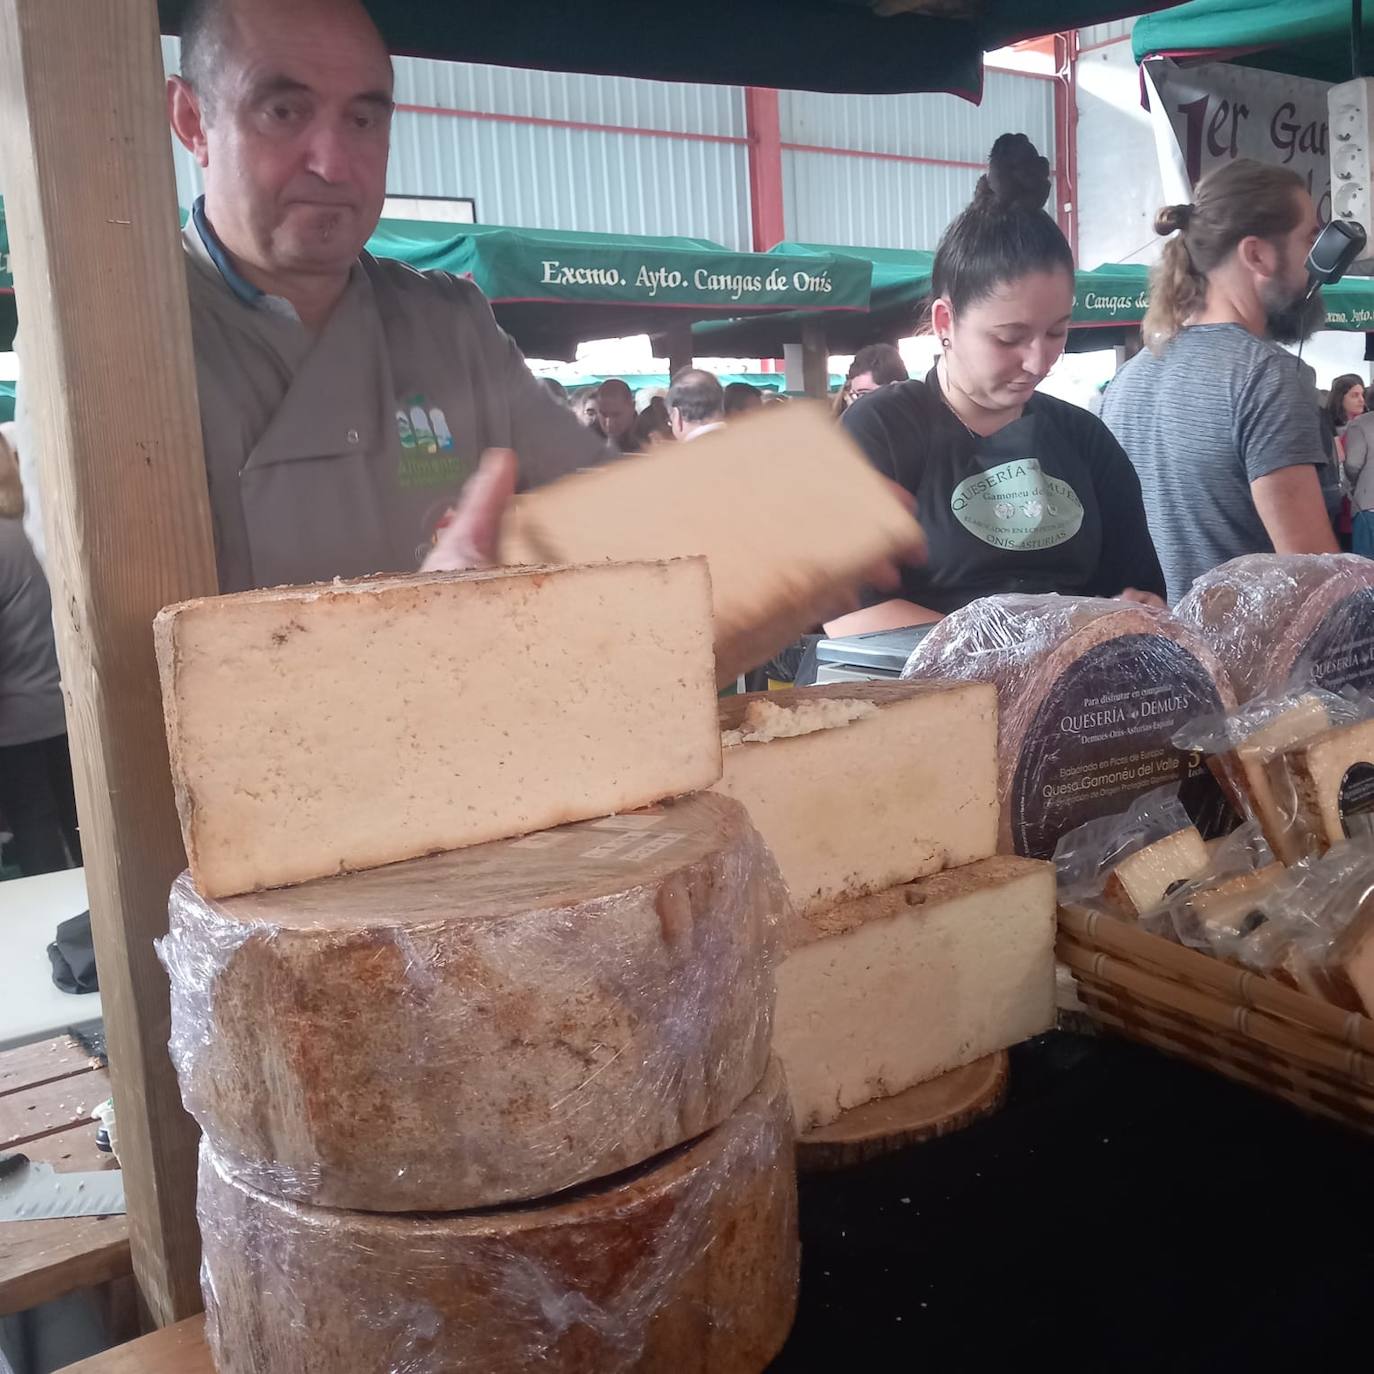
[1123, 1211]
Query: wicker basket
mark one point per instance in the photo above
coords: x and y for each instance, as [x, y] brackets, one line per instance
[1222, 1018]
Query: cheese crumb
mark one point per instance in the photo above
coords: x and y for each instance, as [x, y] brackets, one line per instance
[764, 721]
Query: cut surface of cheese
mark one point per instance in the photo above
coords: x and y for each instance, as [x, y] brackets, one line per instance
[494, 1023]
[1091, 694]
[1332, 778]
[852, 801]
[325, 729]
[687, 1266]
[1352, 961]
[1219, 915]
[1273, 619]
[783, 505]
[896, 988]
[1141, 882]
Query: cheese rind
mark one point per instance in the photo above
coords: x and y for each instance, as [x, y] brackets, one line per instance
[1141, 882]
[783, 505]
[900, 987]
[495, 1023]
[880, 798]
[687, 1266]
[326, 729]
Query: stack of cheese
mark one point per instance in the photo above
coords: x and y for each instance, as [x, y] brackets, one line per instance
[1091, 693]
[917, 951]
[477, 1094]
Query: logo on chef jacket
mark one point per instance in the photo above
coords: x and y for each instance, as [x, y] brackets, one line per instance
[427, 453]
[1018, 506]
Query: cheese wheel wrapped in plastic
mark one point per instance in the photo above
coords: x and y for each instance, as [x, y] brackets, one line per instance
[686, 1265]
[494, 1023]
[1276, 620]
[1090, 693]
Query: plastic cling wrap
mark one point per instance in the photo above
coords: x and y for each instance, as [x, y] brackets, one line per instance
[494, 1023]
[1277, 620]
[1090, 693]
[689, 1263]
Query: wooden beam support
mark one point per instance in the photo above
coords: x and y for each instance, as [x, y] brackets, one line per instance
[815, 361]
[681, 350]
[110, 383]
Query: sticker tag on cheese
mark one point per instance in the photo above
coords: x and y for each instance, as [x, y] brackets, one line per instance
[1357, 802]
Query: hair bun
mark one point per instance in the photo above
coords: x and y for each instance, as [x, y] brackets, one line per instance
[1173, 218]
[1018, 178]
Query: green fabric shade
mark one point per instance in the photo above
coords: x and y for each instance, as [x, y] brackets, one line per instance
[8, 319]
[1299, 37]
[551, 290]
[816, 45]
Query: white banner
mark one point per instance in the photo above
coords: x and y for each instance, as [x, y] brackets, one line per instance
[1208, 115]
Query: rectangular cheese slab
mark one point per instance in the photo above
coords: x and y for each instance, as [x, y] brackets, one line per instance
[783, 505]
[342, 726]
[900, 987]
[859, 786]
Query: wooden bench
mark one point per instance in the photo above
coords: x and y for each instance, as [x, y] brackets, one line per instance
[47, 1093]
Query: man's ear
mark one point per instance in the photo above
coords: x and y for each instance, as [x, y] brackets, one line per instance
[187, 121]
[1258, 255]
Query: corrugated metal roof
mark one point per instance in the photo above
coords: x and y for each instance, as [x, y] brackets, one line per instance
[1105, 33]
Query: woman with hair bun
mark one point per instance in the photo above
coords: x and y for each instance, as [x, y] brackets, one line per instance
[1017, 492]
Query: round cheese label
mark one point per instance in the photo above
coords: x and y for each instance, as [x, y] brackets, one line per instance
[1103, 736]
[1340, 652]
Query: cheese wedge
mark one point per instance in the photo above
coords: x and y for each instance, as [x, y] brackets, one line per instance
[1141, 882]
[859, 786]
[897, 988]
[783, 505]
[1332, 778]
[1350, 965]
[1226, 910]
[324, 729]
[1259, 788]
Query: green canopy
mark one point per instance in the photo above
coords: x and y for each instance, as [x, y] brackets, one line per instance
[815, 45]
[8, 320]
[1108, 297]
[551, 290]
[6, 401]
[1300, 37]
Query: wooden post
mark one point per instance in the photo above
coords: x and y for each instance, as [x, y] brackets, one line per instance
[815, 361]
[110, 383]
[681, 352]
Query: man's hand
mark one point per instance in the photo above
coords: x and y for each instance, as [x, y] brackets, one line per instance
[471, 536]
[1144, 598]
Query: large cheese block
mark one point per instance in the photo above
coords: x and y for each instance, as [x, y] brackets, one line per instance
[494, 1023]
[1332, 782]
[893, 989]
[1091, 693]
[859, 786]
[783, 504]
[686, 1266]
[323, 729]
[1145, 879]
[1276, 619]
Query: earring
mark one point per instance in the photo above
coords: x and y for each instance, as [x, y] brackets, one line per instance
[944, 343]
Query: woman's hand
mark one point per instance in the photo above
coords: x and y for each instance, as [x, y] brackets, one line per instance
[1144, 599]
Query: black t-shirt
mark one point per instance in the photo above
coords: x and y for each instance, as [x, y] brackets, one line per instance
[1049, 504]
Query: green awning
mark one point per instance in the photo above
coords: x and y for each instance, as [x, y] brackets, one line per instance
[1300, 37]
[6, 401]
[8, 319]
[812, 45]
[1112, 296]
[552, 290]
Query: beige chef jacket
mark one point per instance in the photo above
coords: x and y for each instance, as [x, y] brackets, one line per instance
[337, 454]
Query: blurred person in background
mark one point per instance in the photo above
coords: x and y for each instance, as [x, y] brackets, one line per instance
[653, 426]
[873, 367]
[36, 793]
[556, 389]
[1339, 406]
[616, 415]
[741, 398]
[1356, 442]
[696, 404]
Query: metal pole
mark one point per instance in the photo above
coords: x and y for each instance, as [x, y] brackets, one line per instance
[1356, 39]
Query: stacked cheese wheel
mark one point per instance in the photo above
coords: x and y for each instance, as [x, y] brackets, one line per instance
[504, 1106]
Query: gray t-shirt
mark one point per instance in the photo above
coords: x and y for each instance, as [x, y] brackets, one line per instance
[1219, 410]
[30, 689]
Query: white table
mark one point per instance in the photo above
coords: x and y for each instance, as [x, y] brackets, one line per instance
[32, 1006]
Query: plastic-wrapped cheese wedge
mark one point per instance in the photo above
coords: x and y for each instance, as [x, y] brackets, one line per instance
[495, 1023]
[324, 729]
[1090, 694]
[1276, 619]
[688, 1265]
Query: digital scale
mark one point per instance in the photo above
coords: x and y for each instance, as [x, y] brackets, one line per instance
[878, 656]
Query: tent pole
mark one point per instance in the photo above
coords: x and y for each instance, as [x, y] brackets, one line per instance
[1356, 39]
[815, 361]
[110, 383]
[680, 347]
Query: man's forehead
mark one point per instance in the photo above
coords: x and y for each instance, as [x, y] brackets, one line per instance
[326, 48]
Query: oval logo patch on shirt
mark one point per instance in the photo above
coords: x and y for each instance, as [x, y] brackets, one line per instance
[1018, 506]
